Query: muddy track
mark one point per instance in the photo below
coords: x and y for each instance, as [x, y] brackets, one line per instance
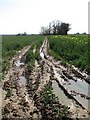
[24, 101]
[26, 87]
[64, 74]
[40, 76]
[17, 103]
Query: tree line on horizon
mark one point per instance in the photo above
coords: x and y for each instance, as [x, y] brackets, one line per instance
[56, 28]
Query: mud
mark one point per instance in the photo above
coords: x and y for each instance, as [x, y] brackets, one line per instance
[22, 89]
[63, 75]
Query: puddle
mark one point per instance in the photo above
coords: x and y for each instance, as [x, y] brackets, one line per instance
[58, 92]
[79, 87]
[18, 63]
[22, 81]
[83, 101]
[42, 55]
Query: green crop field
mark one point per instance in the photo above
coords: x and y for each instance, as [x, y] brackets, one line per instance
[11, 44]
[70, 48]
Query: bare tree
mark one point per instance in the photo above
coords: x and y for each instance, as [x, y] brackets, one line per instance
[56, 28]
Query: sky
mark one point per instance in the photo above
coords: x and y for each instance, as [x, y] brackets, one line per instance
[19, 16]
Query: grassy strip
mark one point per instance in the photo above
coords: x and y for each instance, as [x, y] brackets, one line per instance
[31, 57]
[51, 108]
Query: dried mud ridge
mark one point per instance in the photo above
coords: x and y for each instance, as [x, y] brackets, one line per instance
[25, 101]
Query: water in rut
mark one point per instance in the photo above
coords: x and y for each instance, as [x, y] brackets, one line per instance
[22, 81]
[58, 92]
[80, 88]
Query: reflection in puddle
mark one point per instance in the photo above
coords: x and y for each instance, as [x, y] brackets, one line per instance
[79, 87]
[18, 63]
[42, 55]
[58, 92]
[22, 81]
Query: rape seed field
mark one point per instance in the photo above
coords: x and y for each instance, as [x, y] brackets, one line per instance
[72, 49]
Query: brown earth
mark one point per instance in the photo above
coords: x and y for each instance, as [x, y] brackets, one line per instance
[24, 101]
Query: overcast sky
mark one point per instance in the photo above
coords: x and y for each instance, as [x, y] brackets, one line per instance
[18, 16]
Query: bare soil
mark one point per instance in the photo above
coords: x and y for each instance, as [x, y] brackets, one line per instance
[24, 101]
